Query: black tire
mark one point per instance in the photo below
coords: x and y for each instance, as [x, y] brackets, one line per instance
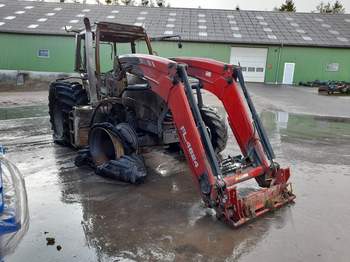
[217, 127]
[63, 96]
[128, 168]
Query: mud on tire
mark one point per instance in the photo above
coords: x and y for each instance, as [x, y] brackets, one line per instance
[217, 127]
[63, 96]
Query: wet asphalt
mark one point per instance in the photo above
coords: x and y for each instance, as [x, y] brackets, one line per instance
[95, 219]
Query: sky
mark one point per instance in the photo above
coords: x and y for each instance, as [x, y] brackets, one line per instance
[262, 5]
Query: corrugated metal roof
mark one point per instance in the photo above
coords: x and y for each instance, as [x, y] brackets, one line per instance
[206, 25]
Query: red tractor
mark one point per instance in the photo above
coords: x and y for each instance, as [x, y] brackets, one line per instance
[146, 100]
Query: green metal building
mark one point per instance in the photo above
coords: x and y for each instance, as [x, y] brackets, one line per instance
[271, 47]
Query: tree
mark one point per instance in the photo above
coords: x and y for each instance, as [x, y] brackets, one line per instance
[145, 2]
[160, 3]
[128, 2]
[238, 8]
[114, 2]
[288, 6]
[336, 8]
[324, 8]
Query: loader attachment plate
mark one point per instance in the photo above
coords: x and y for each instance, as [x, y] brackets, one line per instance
[241, 210]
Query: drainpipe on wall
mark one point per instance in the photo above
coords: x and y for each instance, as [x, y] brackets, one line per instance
[278, 63]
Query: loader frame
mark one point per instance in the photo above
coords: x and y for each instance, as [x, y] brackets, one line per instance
[169, 79]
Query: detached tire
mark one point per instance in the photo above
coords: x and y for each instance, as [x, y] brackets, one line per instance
[217, 128]
[63, 96]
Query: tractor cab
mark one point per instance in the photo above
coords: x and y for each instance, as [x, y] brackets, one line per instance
[96, 58]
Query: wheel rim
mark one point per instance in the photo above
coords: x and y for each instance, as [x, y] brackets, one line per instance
[104, 146]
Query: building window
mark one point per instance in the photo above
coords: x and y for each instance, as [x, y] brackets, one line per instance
[244, 69]
[251, 69]
[44, 53]
[259, 69]
[332, 67]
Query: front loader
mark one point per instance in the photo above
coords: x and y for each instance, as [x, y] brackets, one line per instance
[147, 101]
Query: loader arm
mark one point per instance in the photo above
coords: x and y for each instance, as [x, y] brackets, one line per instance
[217, 78]
[163, 78]
[169, 80]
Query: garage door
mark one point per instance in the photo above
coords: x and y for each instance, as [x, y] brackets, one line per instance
[252, 61]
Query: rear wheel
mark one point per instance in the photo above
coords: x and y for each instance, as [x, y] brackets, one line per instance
[113, 151]
[63, 96]
[217, 128]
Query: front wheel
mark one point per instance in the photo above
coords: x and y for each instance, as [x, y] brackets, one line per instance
[217, 127]
[63, 96]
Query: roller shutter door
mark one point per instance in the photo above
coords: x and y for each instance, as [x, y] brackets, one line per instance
[252, 61]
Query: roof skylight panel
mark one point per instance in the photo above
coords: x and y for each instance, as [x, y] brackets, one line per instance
[32, 26]
[334, 32]
[307, 38]
[343, 39]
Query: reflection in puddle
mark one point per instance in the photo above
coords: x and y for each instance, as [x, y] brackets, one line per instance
[327, 137]
[306, 126]
[23, 112]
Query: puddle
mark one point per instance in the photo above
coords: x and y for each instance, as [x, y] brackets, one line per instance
[95, 219]
[23, 112]
[306, 126]
[310, 138]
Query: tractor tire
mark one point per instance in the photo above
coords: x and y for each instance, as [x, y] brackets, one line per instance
[128, 168]
[63, 96]
[217, 128]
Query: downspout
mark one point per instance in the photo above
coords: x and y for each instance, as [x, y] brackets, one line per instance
[278, 63]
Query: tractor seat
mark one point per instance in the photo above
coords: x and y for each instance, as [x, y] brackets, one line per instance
[138, 87]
